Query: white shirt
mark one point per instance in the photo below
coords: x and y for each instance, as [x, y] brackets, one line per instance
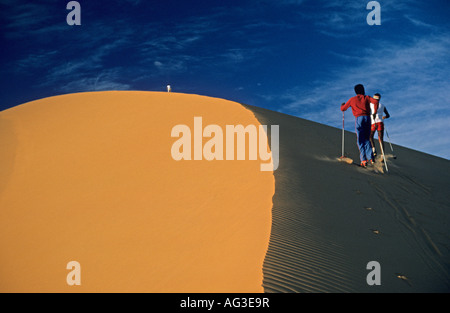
[378, 114]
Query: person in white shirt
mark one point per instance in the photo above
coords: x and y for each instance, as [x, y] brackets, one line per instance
[377, 110]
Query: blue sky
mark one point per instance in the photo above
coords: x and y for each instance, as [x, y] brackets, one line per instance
[300, 57]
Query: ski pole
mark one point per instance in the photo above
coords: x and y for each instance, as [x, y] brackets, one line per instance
[343, 134]
[384, 156]
[389, 139]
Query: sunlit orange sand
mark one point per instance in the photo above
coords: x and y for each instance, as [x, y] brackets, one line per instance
[90, 178]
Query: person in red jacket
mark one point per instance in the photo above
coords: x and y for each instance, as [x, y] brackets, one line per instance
[360, 105]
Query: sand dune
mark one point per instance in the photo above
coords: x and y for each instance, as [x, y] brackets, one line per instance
[330, 218]
[90, 178]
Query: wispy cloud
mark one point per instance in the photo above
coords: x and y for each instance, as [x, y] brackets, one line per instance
[157, 49]
[412, 79]
[417, 22]
[338, 18]
[25, 16]
[24, 19]
[42, 59]
[105, 81]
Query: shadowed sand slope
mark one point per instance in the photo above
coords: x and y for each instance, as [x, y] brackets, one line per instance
[330, 219]
[90, 178]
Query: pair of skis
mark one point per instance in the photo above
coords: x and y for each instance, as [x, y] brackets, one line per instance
[345, 159]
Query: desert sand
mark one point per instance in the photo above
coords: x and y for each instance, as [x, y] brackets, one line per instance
[90, 178]
[330, 219]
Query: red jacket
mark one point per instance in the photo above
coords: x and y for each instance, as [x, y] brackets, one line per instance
[360, 105]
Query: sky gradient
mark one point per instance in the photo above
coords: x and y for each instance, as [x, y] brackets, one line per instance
[300, 57]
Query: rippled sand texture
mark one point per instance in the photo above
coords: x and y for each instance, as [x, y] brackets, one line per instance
[90, 178]
[330, 219]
